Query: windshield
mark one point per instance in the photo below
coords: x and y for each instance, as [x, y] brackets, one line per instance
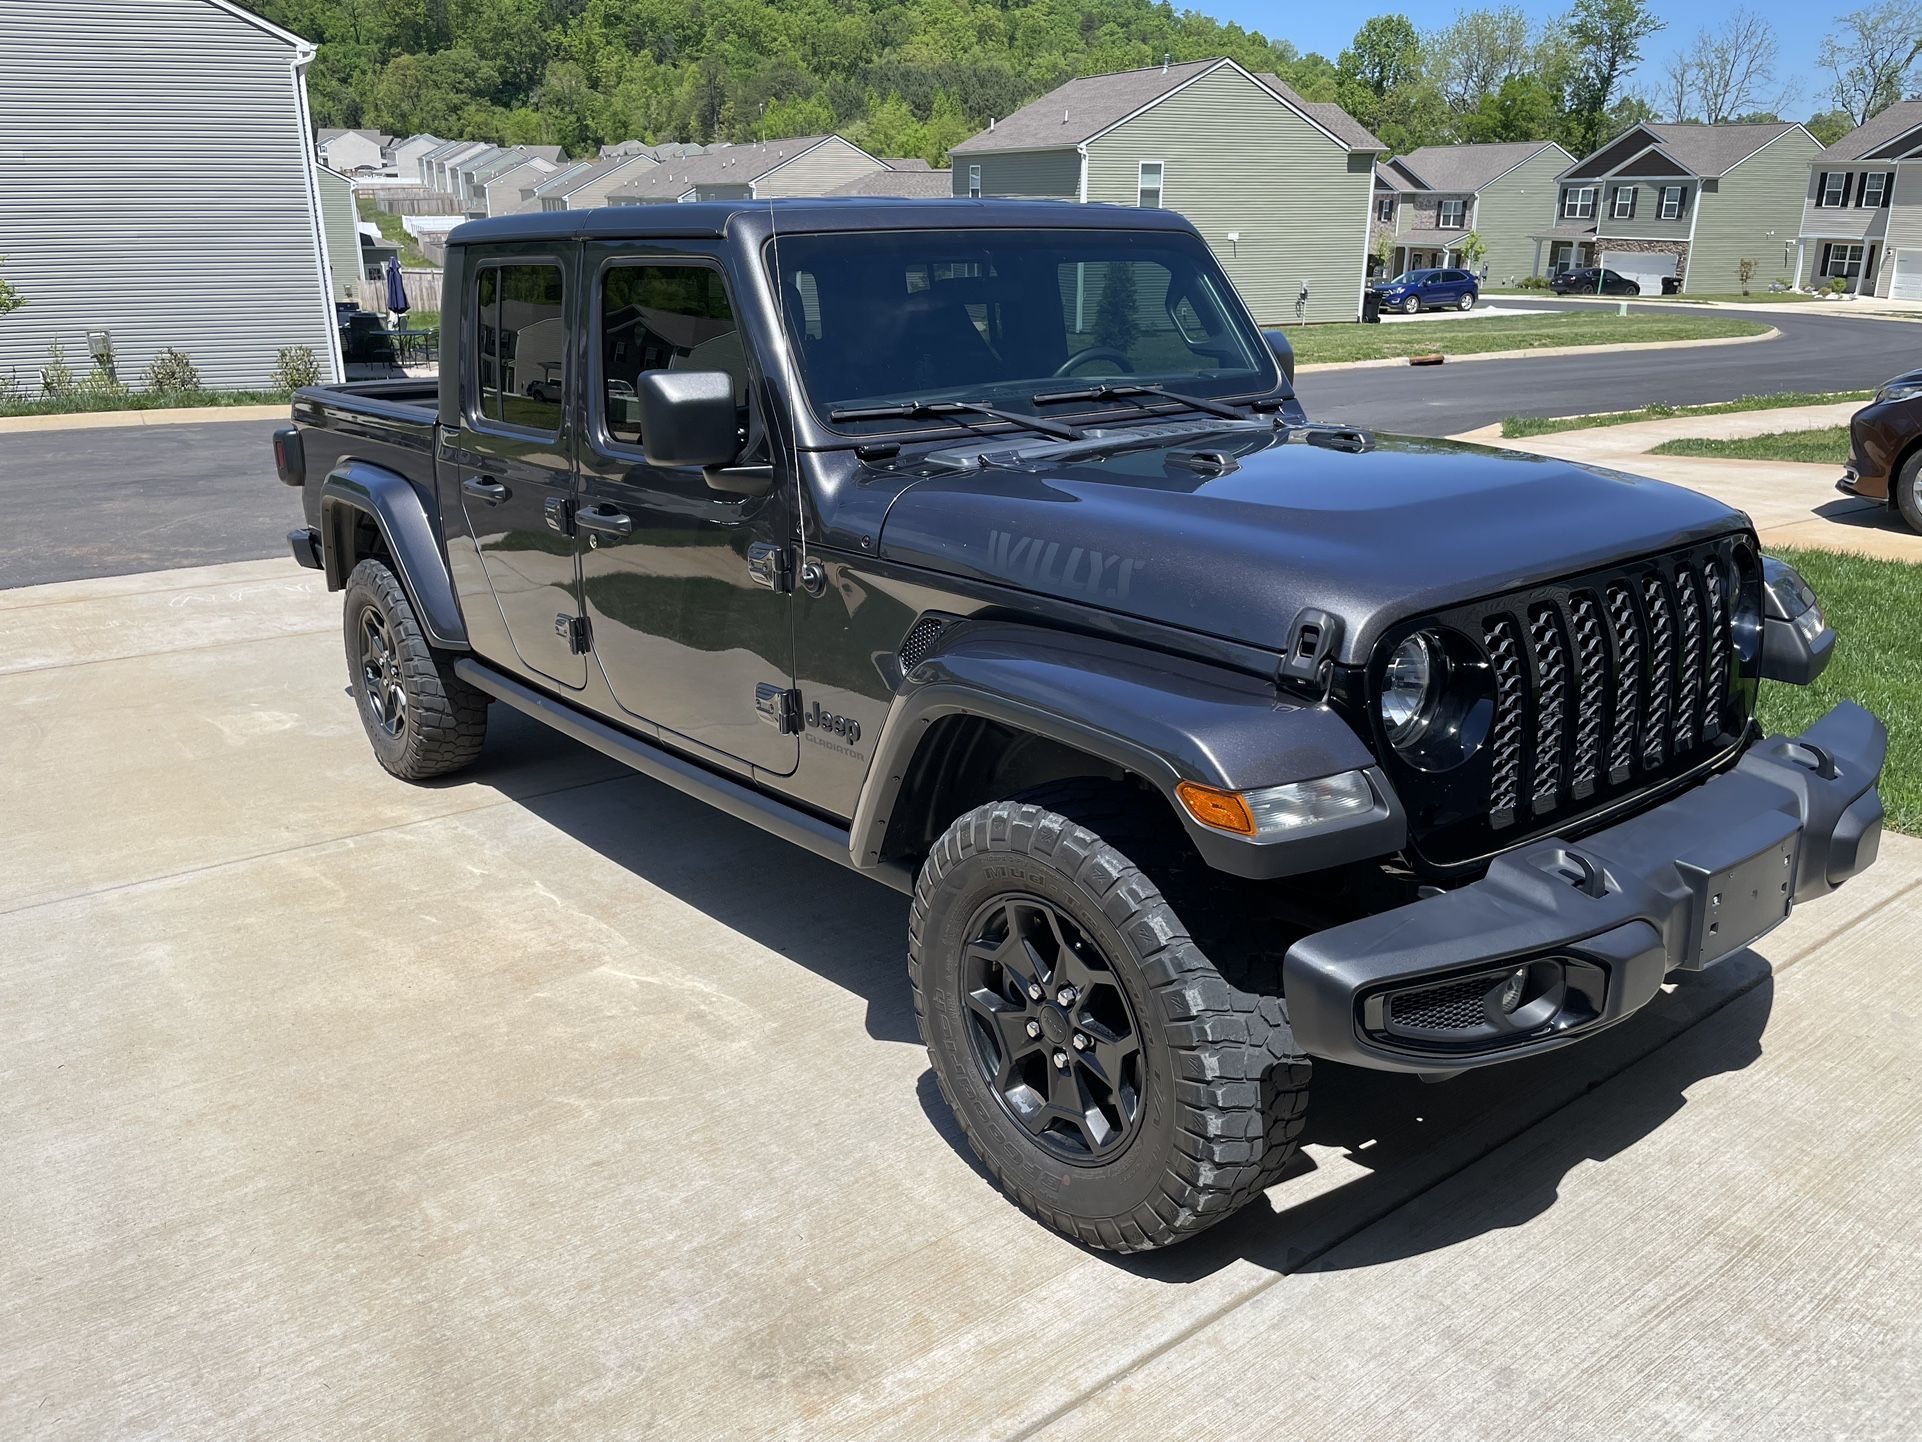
[995, 317]
[1411, 277]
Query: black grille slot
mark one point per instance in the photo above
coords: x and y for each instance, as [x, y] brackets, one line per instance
[919, 641]
[1456, 1006]
[1603, 685]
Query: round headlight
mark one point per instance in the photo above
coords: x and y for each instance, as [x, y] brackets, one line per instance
[1408, 689]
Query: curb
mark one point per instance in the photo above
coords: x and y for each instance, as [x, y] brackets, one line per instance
[1534, 352]
[1844, 309]
[100, 420]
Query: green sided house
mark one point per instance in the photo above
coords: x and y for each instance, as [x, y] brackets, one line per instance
[1862, 216]
[1429, 201]
[1281, 188]
[1683, 204]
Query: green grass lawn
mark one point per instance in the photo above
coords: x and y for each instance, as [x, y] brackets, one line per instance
[1322, 344]
[1516, 426]
[133, 400]
[411, 257]
[1828, 445]
[1878, 663]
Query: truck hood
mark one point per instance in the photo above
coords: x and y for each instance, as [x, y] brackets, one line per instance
[1232, 534]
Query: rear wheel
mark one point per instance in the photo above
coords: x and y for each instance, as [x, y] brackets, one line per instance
[1467, 302]
[1115, 1084]
[1908, 491]
[421, 719]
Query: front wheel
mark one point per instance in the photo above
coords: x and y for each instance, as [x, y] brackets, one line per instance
[1908, 491]
[421, 719]
[1115, 1084]
[1411, 306]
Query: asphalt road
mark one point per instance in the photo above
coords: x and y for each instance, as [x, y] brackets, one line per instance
[1816, 352]
[122, 499]
[144, 498]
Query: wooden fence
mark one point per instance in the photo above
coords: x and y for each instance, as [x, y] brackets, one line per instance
[422, 287]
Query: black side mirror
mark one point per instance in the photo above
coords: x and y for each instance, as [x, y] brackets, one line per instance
[688, 418]
[1284, 352]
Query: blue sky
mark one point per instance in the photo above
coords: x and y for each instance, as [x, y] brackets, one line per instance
[1328, 28]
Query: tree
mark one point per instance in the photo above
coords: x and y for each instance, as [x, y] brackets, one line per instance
[1733, 67]
[10, 299]
[1474, 249]
[1525, 108]
[1870, 56]
[1470, 60]
[1830, 126]
[1385, 55]
[1606, 38]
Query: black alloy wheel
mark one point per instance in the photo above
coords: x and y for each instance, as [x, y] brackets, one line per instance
[382, 688]
[1051, 1030]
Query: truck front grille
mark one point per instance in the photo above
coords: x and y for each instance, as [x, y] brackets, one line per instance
[1597, 688]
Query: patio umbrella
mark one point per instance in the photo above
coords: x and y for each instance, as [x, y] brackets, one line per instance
[396, 291]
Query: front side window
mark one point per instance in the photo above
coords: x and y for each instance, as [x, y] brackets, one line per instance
[1623, 207]
[663, 317]
[974, 182]
[1875, 190]
[520, 351]
[997, 317]
[1148, 191]
[1578, 202]
[1672, 202]
[1844, 261]
[1452, 212]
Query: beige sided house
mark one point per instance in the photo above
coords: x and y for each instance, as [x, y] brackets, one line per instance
[1862, 214]
[158, 188]
[511, 191]
[805, 165]
[406, 156]
[1428, 202]
[344, 151]
[1280, 187]
[588, 189]
[1683, 202]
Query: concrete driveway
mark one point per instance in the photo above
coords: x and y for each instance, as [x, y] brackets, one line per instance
[548, 1103]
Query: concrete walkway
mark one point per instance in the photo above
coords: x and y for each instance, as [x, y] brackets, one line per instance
[1792, 504]
[548, 1103]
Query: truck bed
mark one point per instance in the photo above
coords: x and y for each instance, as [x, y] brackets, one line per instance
[389, 423]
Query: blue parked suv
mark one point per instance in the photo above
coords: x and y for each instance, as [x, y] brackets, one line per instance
[1417, 290]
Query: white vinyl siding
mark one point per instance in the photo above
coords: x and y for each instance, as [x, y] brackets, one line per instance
[157, 180]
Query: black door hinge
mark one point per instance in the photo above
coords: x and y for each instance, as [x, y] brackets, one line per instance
[559, 512]
[779, 707]
[573, 630]
[767, 564]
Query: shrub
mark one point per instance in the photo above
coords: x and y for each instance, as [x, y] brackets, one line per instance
[102, 384]
[1745, 272]
[1533, 282]
[172, 372]
[295, 368]
[56, 376]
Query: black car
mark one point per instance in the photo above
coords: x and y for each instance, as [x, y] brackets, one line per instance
[988, 551]
[1593, 280]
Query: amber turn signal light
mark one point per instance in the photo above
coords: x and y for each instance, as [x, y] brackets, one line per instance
[1223, 810]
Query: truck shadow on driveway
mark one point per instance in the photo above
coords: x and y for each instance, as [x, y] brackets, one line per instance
[1410, 1138]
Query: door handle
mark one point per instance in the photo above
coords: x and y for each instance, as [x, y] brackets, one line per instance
[483, 489]
[603, 521]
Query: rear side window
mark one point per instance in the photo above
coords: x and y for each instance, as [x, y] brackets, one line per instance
[664, 317]
[520, 345]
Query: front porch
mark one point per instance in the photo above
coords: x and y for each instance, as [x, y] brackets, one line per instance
[1821, 259]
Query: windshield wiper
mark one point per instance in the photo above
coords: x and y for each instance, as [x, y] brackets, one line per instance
[924, 410]
[1106, 392]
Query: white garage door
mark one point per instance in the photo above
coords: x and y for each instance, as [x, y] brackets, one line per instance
[1644, 269]
[1907, 282]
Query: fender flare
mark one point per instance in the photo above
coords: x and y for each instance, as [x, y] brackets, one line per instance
[356, 488]
[1163, 718]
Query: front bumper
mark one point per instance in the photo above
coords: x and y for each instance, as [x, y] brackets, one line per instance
[1577, 935]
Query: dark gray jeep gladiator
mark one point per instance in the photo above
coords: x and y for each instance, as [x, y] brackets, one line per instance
[985, 548]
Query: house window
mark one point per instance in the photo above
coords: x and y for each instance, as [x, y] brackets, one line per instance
[1148, 186]
[1451, 214]
[1578, 202]
[1671, 202]
[1843, 260]
[1622, 207]
[1835, 188]
[1874, 193]
[1385, 208]
[974, 182]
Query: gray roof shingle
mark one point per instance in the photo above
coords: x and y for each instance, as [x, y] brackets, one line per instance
[925, 184]
[723, 165]
[1877, 132]
[1460, 168]
[1707, 150]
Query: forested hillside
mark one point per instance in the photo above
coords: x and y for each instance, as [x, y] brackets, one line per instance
[913, 77]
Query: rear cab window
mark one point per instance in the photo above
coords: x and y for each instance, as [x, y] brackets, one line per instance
[519, 374]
